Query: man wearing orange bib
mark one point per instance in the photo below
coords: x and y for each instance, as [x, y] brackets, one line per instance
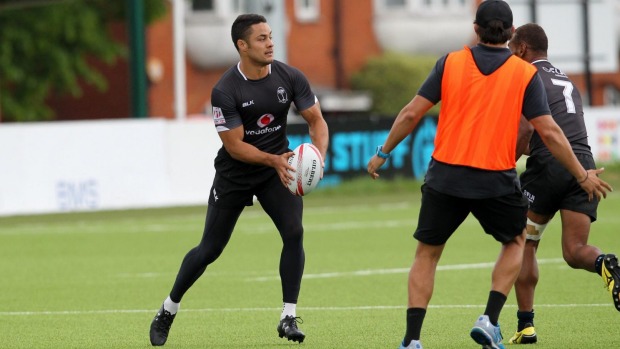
[484, 90]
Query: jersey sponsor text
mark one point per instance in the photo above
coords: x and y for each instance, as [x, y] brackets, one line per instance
[263, 131]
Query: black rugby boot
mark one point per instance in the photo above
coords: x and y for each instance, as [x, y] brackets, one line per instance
[288, 328]
[160, 326]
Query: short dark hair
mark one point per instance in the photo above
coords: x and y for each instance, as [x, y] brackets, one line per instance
[494, 33]
[533, 36]
[242, 25]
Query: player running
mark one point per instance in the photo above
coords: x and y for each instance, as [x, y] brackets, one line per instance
[551, 188]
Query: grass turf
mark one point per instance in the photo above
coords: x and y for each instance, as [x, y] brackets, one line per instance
[95, 280]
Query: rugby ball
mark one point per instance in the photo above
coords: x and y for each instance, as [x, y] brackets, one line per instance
[308, 164]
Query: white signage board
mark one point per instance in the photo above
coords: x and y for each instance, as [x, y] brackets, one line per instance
[112, 164]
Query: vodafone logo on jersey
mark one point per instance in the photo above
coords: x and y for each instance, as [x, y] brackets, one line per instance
[265, 120]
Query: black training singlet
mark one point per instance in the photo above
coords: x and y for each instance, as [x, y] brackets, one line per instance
[261, 107]
[566, 109]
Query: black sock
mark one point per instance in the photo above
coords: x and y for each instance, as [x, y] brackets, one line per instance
[525, 317]
[494, 306]
[415, 317]
[598, 264]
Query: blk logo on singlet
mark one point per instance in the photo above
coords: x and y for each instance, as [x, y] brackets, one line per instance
[555, 71]
[265, 120]
[282, 97]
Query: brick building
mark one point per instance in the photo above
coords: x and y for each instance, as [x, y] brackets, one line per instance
[328, 40]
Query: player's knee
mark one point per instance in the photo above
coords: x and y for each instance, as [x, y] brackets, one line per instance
[208, 255]
[293, 233]
[534, 230]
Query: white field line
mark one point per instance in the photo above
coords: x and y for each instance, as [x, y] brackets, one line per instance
[332, 227]
[339, 209]
[366, 272]
[320, 275]
[369, 272]
[143, 226]
[226, 310]
[242, 228]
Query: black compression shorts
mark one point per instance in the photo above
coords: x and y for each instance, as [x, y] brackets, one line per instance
[550, 187]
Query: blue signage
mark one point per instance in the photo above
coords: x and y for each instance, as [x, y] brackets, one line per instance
[354, 140]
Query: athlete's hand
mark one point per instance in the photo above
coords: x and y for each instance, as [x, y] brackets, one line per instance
[282, 167]
[373, 165]
[595, 186]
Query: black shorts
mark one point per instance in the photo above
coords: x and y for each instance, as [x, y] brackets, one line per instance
[502, 217]
[550, 187]
[226, 193]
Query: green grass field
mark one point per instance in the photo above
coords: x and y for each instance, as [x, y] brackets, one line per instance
[95, 280]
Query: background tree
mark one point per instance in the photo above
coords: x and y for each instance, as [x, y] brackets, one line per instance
[393, 79]
[45, 46]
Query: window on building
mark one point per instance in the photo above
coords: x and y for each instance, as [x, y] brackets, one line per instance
[202, 5]
[394, 3]
[225, 8]
[307, 10]
[612, 95]
[423, 7]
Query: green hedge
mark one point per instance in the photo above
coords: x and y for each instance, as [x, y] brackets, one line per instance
[393, 79]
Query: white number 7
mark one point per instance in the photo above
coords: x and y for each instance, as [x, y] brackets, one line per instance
[567, 92]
